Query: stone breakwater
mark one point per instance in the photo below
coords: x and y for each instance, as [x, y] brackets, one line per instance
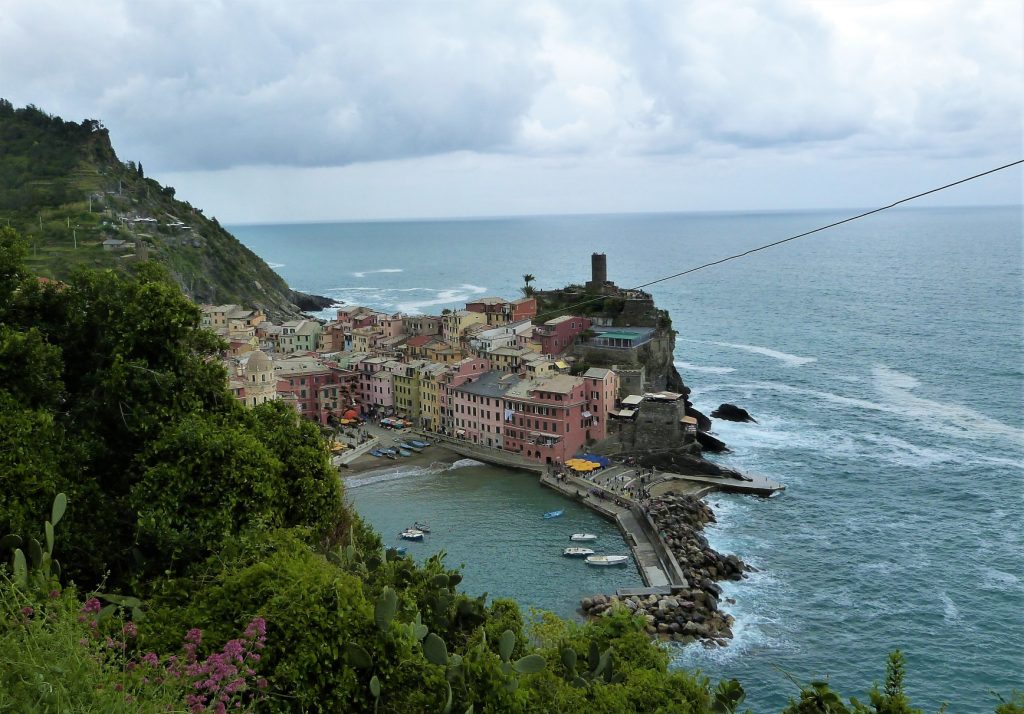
[692, 611]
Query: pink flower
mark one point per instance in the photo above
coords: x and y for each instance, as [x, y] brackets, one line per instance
[54, 594]
[256, 628]
[195, 636]
[151, 659]
[261, 683]
[91, 605]
[130, 629]
[27, 611]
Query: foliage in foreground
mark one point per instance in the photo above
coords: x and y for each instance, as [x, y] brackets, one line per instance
[232, 573]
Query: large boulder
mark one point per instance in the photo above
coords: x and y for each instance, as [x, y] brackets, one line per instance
[731, 412]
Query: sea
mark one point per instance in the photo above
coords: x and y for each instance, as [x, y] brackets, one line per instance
[883, 362]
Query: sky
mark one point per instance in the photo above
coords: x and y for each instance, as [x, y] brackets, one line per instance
[264, 112]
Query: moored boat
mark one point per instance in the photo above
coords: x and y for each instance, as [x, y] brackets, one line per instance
[583, 537]
[607, 559]
[404, 452]
[410, 447]
[411, 534]
[377, 452]
[577, 552]
[554, 514]
[400, 549]
[421, 444]
[421, 527]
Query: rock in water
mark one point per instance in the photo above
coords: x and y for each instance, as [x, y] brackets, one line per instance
[731, 412]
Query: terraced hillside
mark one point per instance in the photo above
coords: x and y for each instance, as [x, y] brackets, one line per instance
[64, 188]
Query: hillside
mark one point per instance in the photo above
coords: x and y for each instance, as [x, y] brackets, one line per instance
[63, 187]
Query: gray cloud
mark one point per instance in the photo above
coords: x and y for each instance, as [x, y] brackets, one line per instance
[200, 86]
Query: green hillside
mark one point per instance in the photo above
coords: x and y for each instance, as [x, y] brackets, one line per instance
[63, 187]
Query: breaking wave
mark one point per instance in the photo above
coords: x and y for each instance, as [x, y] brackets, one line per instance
[364, 273]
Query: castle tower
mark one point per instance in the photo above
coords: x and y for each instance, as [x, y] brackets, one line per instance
[598, 269]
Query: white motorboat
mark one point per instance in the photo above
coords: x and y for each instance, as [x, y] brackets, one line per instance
[575, 552]
[411, 534]
[583, 537]
[607, 559]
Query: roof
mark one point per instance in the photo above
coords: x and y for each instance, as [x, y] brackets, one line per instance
[624, 413]
[559, 320]
[597, 373]
[488, 301]
[558, 383]
[490, 384]
[419, 340]
[662, 396]
[632, 400]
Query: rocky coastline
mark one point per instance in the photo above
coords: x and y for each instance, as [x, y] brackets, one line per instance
[692, 612]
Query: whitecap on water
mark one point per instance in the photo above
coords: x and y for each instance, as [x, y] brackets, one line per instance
[789, 359]
[364, 273]
[463, 463]
[396, 474]
[688, 367]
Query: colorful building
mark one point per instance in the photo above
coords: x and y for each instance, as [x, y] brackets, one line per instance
[556, 335]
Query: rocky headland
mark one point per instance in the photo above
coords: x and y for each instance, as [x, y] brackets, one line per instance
[691, 612]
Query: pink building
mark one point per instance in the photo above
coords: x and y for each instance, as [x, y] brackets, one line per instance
[391, 325]
[456, 375]
[376, 385]
[558, 334]
[547, 419]
[524, 309]
[478, 408]
[602, 388]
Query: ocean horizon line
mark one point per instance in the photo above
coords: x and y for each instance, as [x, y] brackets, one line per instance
[616, 214]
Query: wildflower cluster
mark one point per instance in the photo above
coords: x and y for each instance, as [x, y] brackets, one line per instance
[225, 679]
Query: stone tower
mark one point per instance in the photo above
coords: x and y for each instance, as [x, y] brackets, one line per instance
[598, 272]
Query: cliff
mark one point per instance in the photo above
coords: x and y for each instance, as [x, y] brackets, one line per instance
[63, 187]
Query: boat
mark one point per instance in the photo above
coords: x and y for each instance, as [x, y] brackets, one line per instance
[400, 549]
[377, 452]
[390, 455]
[404, 452]
[421, 444]
[413, 534]
[421, 527]
[607, 559]
[554, 514]
[583, 537]
[410, 447]
[388, 450]
[577, 552]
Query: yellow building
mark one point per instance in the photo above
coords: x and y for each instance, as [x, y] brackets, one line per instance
[407, 389]
[455, 324]
[432, 380]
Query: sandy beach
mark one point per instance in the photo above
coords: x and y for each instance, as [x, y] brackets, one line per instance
[391, 438]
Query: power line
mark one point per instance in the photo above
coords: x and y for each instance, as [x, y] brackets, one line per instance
[791, 238]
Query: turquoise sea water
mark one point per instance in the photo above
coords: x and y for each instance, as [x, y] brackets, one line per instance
[883, 361]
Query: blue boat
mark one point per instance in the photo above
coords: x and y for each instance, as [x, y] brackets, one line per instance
[400, 549]
[404, 452]
[408, 446]
[554, 514]
[421, 444]
[377, 452]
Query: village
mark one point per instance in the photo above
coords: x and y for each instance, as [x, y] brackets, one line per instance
[491, 374]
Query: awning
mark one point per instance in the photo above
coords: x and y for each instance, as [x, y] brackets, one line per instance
[561, 365]
[460, 432]
[624, 413]
[689, 420]
[632, 400]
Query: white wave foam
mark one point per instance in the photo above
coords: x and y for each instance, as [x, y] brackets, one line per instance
[944, 418]
[459, 294]
[275, 265]
[791, 360]
[950, 612]
[395, 474]
[994, 579]
[463, 463]
[895, 387]
[703, 368]
[364, 273]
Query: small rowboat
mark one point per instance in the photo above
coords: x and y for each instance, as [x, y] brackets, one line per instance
[404, 452]
[377, 452]
[583, 537]
[554, 514]
[576, 552]
[410, 447]
[606, 560]
[421, 527]
[400, 549]
[421, 444]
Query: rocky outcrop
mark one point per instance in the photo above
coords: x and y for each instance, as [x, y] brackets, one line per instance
[311, 303]
[692, 612]
[731, 412]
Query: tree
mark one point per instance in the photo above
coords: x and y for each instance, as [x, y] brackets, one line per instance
[528, 278]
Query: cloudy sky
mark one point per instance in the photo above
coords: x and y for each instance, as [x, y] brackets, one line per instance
[303, 111]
